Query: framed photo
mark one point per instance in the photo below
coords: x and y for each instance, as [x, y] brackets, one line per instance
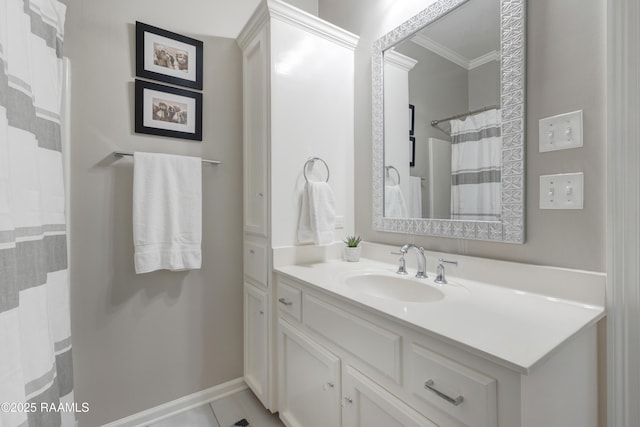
[412, 118]
[168, 111]
[412, 142]
[168, 57]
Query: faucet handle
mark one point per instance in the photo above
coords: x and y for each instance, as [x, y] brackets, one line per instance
[440, 273]
[402, 266]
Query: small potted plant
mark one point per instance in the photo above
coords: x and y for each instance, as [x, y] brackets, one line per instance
[352, 251]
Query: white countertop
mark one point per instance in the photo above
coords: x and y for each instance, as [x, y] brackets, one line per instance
[514, 328]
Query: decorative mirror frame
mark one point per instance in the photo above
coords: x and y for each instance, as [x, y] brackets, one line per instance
[510, 228]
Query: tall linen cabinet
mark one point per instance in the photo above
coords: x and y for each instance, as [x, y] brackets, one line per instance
[298, 80]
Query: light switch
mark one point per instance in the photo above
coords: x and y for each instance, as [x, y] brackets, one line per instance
[339, 224]
[560, 132]
[562, 191]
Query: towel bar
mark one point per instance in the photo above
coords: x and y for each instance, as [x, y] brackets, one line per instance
[123, 154]
[311, 161]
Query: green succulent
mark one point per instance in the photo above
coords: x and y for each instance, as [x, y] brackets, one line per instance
[352, 241]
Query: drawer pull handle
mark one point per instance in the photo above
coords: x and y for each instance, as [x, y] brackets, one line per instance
[429, 385]
[285, 302]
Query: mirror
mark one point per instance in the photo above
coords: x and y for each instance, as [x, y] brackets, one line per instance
[448, 122]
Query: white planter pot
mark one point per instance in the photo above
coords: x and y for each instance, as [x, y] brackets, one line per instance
[352, 254]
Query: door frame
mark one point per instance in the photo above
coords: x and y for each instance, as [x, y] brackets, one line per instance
[623, 207]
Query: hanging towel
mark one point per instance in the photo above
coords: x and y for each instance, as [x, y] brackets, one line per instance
[415, 188]
[167, 212]
[394, 204]
[475, 167]
[317, 215]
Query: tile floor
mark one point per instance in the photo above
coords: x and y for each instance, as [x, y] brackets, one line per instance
[225, 412]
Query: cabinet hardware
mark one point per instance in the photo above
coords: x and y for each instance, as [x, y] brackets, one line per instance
[285, 302]
[430, 385]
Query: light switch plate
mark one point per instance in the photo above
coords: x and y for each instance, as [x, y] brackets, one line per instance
[562, 191]
[560, 132]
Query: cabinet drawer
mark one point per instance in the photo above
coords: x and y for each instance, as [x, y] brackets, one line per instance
[290, 300]
[255, 262]
[464, 394]
[378, 347]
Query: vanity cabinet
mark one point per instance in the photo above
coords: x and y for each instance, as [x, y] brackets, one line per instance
[298, 91]
[317, 389]
[344, 364]
[255, 340]
[367, 404]
[309, 382]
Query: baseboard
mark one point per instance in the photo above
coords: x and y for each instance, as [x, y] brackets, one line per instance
[169, 409]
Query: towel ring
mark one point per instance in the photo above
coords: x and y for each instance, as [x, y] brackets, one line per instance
[311, 161]
[394, 168]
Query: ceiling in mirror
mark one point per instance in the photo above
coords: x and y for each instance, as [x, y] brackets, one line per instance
[448, 122]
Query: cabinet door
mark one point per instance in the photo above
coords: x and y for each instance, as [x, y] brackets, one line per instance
[308, 381]
[255, 76]
[366, 404]
[255, 341]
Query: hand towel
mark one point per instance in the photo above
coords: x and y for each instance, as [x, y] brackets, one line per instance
[394, 204]
[317, 215]
[167, 212]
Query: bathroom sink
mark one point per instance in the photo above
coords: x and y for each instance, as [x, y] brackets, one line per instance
[393, 287]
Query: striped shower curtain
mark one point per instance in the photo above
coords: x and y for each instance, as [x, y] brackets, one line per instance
[476, 151]
[36, 381]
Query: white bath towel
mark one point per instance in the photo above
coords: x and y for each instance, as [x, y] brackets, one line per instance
[317, 215]
[167, 212]
[394, 203]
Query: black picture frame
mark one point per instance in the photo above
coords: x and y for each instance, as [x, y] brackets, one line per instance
[168, 111]
[168, 57]
[412, 142]
[412, 118]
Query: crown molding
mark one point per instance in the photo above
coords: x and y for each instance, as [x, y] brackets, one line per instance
[286, 13]
[276, 9]
[399, 60]
[452, 55]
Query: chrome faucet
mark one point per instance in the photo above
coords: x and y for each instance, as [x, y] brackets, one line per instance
[422, 262]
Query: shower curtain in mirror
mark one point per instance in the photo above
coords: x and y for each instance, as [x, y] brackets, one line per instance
[476, 151]
[36, 381]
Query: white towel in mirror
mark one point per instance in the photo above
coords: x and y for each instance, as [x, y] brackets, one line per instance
[394, 203]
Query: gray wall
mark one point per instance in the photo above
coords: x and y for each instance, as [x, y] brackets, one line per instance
[565, 72]
[143, 340]
[484, 85]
